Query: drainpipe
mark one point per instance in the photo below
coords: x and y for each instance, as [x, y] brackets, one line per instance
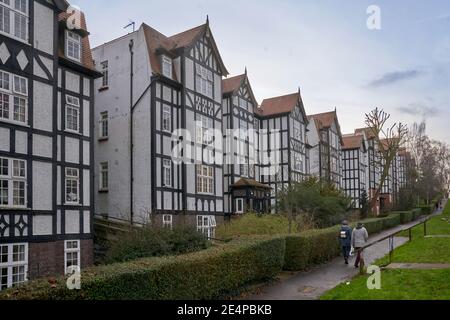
[131, 46]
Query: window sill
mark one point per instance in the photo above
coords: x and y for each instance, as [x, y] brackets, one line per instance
[103, 89]
[73, 132]
[103, 191]
[72, 204]
[103, 139]
[17, 123]
[27, 42]
[14, 208]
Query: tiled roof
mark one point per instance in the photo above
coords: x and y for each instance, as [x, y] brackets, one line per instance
[245, 182]
[279, 105]
[230, 85]
[86, 54]
[157, 41]
[353, 141]
[325, 121]
[369, 133]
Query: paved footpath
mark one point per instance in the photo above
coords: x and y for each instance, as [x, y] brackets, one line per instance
[310, 285]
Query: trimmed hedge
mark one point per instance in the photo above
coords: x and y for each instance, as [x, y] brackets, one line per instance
[310, 248]
[417, 213]
[208, 274]
[427, 209]
[392, 221]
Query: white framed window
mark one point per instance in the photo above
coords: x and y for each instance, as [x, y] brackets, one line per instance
[167, 118]
[13, 265]
[104, 178]
[243, 103]
[298, 131]
[205, 179]
[167, 67]
[243, 167]
[240, 205]
[204, 81]
[72, 254]
[167, 221]
[72, 114]
[13, 97]
[105, 72]
[14, 19]
[167, 173]
[73, 46]
[13, 183]
[207, 226]
[72, 186]
[104, 125]
[204, 129]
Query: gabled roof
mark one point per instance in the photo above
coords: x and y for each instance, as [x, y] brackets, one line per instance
[326, 120]
[282, 105]
[369, 133]
[156, 42]
[230, 86]
[86, 54]
[352, 141]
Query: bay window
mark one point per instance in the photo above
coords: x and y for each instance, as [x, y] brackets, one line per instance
[205, 179]
[14, 18]
[72, 186]
[13, 265]
[13, 97]
[297, 162]
[13, 182]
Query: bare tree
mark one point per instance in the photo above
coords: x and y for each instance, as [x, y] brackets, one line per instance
[389, 139]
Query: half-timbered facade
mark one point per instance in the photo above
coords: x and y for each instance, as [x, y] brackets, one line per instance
[282, 142]
[328, 147]
[46, 108]
[242, 191]
[355, 167]
[175, 83]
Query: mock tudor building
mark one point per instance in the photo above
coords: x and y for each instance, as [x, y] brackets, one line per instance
[326, 147]
[46, 124]
[286, 161]
[242, 190]
[355, 167]
[153, 85]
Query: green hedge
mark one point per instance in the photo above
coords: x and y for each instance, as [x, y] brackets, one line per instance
[310, 248]
[417, 213]
[392, 221]
[208, 274]
[427, 209]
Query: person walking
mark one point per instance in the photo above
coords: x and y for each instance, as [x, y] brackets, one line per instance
[345, 237]
[360, 236]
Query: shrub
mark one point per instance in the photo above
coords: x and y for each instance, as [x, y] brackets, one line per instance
[427, 209]
[417, 213]
[391, 221]
[311, 247]
[208, 274]
[253, 224]
[374, 225]
[154, 242]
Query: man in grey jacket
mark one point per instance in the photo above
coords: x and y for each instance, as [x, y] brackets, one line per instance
[360, 237]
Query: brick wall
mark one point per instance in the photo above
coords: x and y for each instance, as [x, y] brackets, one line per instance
[47, 259]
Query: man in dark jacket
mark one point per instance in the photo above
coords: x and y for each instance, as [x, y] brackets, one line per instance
[345, 237]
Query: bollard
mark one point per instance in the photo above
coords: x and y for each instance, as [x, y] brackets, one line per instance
[410, 235]
[425, 228]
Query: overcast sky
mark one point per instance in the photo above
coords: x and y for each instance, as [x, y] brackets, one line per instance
[324, 47]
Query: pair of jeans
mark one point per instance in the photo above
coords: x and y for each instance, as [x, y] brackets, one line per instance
[358, 256]
[346, 252]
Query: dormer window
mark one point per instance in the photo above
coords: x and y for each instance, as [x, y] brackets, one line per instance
[167, 67]
[73, 46]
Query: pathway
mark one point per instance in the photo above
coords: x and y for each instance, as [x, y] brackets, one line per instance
[310, 285]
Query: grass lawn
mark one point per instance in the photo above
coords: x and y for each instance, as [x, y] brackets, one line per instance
[408, 284]
[397, 285]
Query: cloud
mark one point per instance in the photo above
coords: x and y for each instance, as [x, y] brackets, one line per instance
[422, 110]
[394, 77]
